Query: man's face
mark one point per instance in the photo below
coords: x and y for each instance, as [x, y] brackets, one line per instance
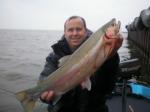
[75, 32]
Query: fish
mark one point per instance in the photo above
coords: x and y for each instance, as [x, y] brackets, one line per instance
[77, 68]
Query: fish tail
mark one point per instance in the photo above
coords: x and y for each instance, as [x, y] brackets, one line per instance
[27, 102]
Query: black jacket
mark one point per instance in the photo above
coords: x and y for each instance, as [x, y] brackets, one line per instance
[77, 99]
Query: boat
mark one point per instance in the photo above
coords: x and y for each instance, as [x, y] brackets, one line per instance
[129, 95]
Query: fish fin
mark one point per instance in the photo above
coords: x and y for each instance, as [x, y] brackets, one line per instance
[63, 60]
[86, 84]
[26, 101]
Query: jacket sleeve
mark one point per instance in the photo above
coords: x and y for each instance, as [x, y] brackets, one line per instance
[105, 78]
[50, 65]
[111, 69]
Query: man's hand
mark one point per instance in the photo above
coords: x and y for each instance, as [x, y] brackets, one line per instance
[113, 38]
[113, 44]
[47, 96]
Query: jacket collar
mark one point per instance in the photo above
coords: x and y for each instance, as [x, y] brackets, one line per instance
[61, 47]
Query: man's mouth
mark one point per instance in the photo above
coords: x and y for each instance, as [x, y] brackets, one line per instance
[75, 40]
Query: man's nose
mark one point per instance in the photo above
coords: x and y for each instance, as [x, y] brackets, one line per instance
[75, 32]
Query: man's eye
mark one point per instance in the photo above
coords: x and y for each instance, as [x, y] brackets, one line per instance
[78, 29]
[70, 30]
[74, 29]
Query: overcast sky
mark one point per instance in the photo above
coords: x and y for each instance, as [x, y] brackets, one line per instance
[51, 14]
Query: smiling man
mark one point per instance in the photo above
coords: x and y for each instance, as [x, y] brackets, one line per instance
[75, 31]
[80, 99]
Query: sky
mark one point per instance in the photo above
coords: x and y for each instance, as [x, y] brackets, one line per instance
[51, 14]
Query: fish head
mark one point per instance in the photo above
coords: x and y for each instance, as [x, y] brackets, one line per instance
[113, 29]
[112, 38]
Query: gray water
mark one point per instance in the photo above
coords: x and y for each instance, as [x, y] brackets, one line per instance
[22, 57]
[23, 52]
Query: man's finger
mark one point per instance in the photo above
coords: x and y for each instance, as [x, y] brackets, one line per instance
[44, 95]
[50, 96]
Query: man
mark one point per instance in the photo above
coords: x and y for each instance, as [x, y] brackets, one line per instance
[79, 99]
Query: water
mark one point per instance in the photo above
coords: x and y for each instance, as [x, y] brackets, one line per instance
[23, 52]
[22, 57]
